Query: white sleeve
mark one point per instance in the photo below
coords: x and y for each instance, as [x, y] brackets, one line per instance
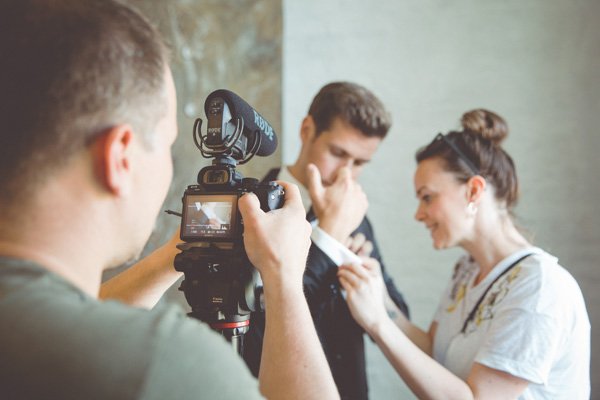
[338, 253]
[523, 343]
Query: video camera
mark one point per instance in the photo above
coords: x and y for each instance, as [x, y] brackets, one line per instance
[221, 285]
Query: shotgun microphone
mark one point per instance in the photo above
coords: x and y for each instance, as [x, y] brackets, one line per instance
[237, 128]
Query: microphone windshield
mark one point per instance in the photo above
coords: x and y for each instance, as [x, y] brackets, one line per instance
[255, 126]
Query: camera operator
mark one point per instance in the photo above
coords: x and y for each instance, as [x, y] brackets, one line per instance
[88, 110]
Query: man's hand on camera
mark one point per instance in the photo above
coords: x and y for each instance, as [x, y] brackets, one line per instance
[339, 207]
[277, 242]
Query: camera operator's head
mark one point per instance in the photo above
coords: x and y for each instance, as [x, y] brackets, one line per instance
[87, 103]
[344, 127]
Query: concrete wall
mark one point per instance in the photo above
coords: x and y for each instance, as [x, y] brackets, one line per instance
[231, 44]
[536, 63]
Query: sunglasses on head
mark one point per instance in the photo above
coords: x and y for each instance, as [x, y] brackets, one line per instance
[444, 138]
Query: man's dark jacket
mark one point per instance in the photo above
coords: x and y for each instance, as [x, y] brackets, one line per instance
[340, 335]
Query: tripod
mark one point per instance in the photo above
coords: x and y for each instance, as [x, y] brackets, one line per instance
[222, 287]
[233, 331]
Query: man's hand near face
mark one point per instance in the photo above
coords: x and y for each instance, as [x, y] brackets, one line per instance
[359, 245]
[341, 206]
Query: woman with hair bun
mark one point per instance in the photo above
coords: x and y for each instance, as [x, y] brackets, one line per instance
[512, 322]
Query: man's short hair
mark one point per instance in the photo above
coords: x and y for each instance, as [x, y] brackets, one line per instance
[353, 104]
[70, 69]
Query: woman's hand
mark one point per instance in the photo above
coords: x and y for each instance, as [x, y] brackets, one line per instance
[365, 291]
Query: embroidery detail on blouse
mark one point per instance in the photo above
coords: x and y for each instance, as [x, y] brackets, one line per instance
[461, 277]
[486, 309]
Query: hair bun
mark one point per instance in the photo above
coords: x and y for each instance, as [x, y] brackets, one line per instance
[486, 123]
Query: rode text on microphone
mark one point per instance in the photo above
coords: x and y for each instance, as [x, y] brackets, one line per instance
[220, 284]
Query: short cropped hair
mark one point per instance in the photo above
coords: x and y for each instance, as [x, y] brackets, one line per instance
[353, 104]
[70, 69]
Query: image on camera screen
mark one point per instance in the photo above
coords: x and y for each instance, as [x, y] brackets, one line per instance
[209, 216]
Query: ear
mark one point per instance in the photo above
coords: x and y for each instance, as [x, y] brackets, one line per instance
[475, 188]
[113, 159]
[307, 129]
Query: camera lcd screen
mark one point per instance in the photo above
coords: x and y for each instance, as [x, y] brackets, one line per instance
[209, 216]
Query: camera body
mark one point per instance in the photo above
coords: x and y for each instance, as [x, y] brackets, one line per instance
[220, 282]
[210, 208]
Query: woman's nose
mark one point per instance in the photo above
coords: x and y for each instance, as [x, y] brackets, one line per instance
[419, 214]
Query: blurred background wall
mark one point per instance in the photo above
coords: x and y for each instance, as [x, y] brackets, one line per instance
[535, 62]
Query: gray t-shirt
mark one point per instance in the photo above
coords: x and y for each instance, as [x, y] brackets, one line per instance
[56, 342]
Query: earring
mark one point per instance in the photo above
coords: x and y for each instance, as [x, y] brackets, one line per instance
[471, 208]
